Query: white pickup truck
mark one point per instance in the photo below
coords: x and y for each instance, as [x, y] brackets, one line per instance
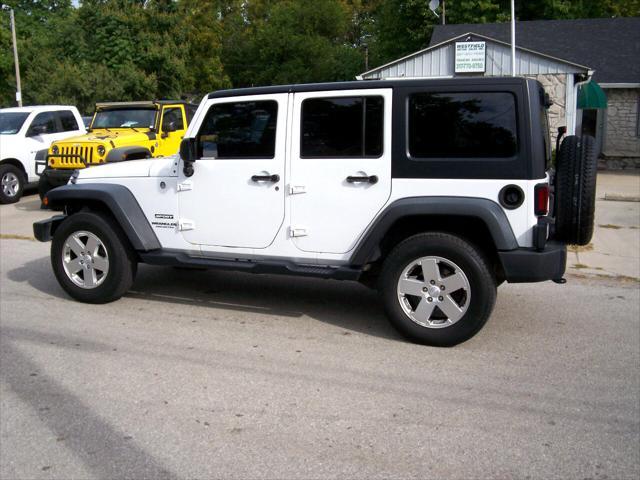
[25, 133]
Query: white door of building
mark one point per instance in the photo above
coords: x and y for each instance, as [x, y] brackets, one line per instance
[235, 198]
[340, 166]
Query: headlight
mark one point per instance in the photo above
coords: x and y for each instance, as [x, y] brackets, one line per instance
[55, 150]
[101, 150]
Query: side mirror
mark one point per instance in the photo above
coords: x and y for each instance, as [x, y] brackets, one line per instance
[188, 153]
[36, 130]
[188, 149]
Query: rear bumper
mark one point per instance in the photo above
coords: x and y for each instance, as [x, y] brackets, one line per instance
[533, 265]
[44, 229]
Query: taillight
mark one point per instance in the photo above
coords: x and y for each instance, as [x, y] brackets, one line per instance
[541, 195]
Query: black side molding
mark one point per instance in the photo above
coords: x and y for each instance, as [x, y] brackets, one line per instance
[179, 258]
[489, 212]
[119, 201]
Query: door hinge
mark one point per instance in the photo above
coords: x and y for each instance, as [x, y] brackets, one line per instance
[296, 189]
[297, 232]
[185, 224]
[184, 186]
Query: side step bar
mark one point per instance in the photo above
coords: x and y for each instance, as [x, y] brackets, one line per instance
[181, 259]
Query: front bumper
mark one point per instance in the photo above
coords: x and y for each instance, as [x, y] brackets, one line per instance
[534, 265]
[44, 229]
[56, 177]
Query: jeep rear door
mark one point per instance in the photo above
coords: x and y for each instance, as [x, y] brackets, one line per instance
[235, 198]
[340, 166]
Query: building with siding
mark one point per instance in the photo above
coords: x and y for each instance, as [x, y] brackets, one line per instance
[590, 69]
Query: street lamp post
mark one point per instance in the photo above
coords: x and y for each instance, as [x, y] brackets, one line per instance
[15, 53]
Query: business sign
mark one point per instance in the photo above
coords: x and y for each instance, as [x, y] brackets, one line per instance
[470, 57]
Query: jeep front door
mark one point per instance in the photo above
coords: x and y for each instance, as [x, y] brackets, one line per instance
[235, 197]
[340, 166]
[172, 128]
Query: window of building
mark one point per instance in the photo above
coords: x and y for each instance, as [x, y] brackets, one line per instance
[67, 121]
[462, 125]
[342, 127]
[239, 130]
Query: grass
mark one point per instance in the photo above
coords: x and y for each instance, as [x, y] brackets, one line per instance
[609, 225]
[11, 236]
[580, 248]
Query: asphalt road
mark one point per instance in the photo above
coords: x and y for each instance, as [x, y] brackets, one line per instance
[221, 375]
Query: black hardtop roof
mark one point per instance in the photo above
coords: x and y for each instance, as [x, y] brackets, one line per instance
[139, 104]
[365, 84]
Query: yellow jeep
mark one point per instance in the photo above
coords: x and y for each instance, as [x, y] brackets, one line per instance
[118, 131]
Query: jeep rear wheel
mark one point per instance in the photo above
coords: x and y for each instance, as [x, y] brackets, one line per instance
[437, 289]
[91, 258]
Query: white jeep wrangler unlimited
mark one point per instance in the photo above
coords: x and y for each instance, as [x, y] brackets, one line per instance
[433, 191]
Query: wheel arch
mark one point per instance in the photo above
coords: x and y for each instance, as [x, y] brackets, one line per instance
[478, 220]
[122, 154]
[115, 200]
[16, 163]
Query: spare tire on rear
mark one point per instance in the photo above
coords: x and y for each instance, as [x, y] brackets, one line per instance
[575, 190]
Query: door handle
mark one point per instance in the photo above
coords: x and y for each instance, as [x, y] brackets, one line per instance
[266, 178]
[363, 179]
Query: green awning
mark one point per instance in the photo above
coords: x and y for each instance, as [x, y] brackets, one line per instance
[591, 96]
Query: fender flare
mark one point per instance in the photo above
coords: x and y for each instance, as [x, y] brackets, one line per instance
[119, 201]
[488, 211]
[122, 154]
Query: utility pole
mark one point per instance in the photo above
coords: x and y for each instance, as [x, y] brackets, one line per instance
[513, 39]
[15, 53]
[444, 13]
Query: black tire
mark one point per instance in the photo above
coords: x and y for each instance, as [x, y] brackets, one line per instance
[451, 250]
[575, 190]
[44, 186]
[122, 265]
[10, 191]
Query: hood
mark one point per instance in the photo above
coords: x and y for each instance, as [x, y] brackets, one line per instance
[119, 137]
[150, 167]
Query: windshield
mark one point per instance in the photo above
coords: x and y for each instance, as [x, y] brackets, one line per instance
[10, 122]
[125, 118]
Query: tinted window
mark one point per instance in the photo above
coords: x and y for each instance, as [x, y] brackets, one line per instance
[11, 122]
[462, 125]
[46, 120]
[239, 130]
[173, 115]
[342, 127]
[68, 121]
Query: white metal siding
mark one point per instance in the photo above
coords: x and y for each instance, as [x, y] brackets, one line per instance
[440, 63]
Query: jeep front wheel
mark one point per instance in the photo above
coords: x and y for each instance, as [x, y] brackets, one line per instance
[437, 289]
[91, 258]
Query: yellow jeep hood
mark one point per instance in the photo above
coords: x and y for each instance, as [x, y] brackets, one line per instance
[115, 137]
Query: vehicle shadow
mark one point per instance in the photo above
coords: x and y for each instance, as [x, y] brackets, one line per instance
[347, 305]
[29, 203]
[102, 447]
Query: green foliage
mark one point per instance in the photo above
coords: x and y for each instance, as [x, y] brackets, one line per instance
[141, 49]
